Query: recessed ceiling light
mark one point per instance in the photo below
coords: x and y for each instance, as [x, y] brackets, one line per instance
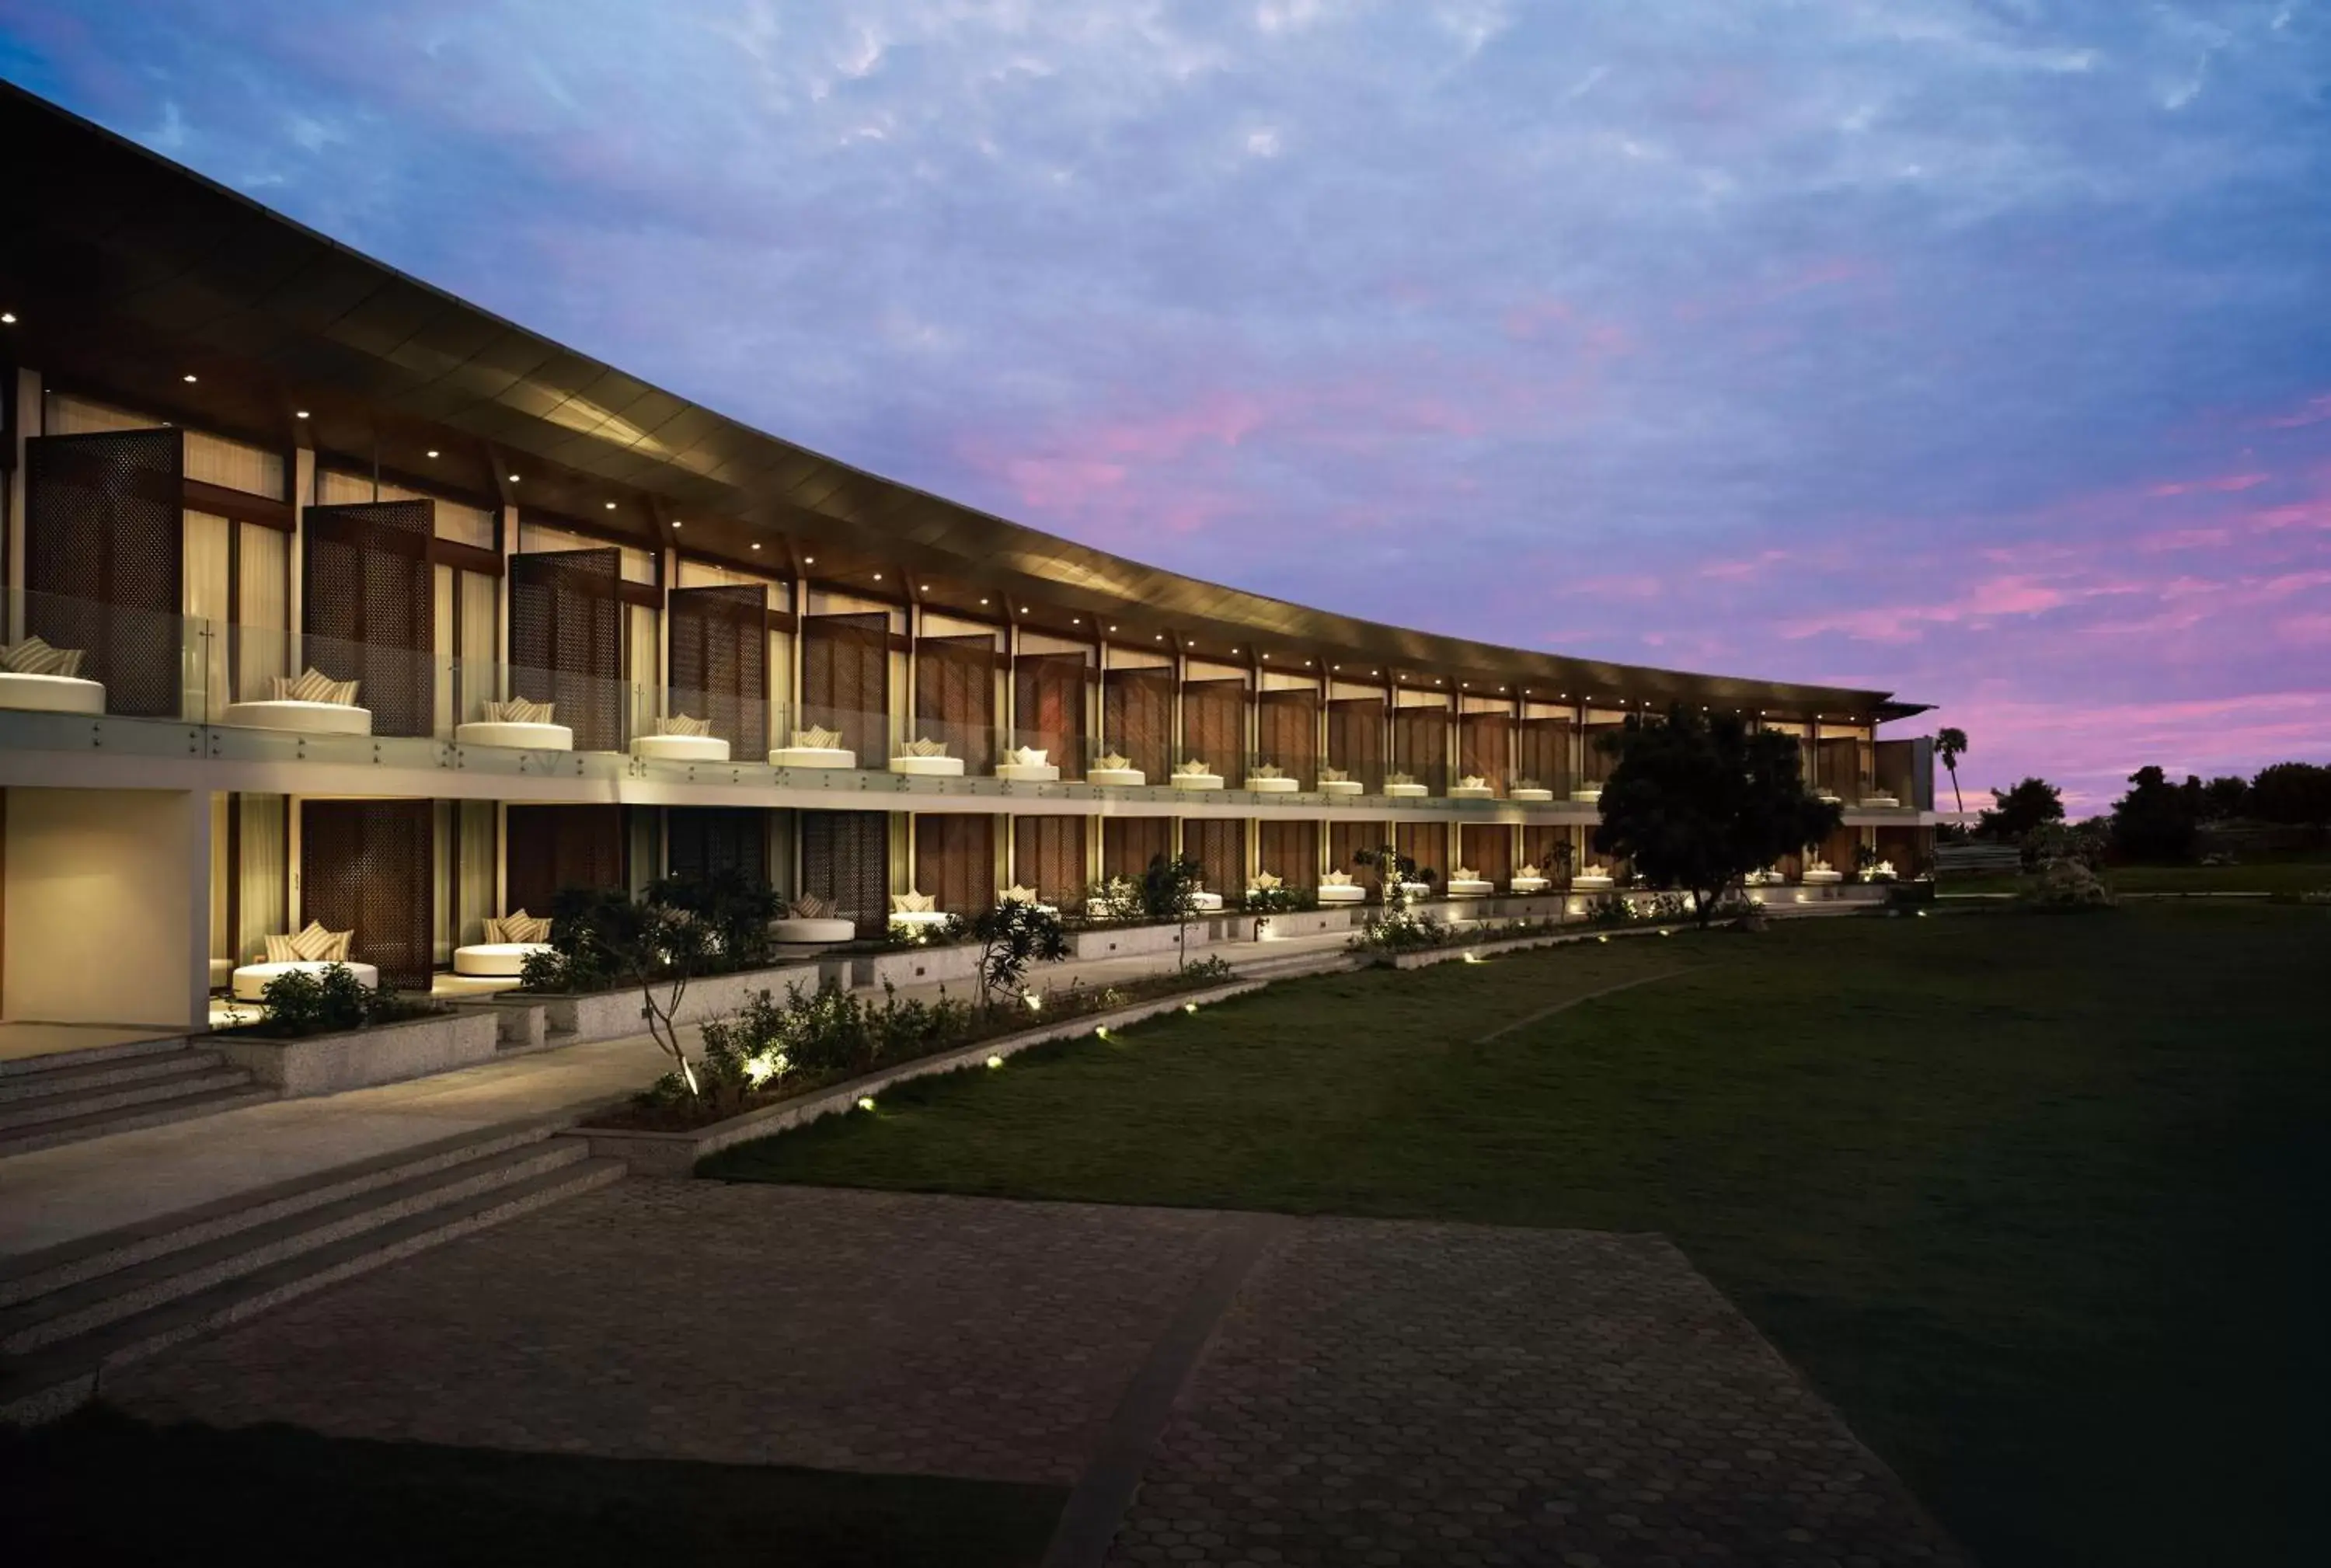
[1266, 656]
[433, 452]
[7, 319]
[677, 524]
[1076, 619]
[190, 378]
[878, 576]
[611, 506]
[983, 601]
[1024, 609]
[806, 560]
[299, 414]
[756, 543]
[513, 479]
[926, 587]
[1161, 637]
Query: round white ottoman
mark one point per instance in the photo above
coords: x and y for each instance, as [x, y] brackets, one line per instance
[496, 960]
[795, 933]
[50, 693]
[251, 980]
[679, 748]
[501, 732]
[304, 717]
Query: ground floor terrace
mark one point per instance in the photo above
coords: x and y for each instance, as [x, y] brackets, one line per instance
[125, 906]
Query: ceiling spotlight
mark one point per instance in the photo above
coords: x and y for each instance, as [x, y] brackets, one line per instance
[806, 560]
[1076, 619]
[1161, 637]
[983, 601]
[611, 506]
[756, 543]
[1112, 625]
[299, 414]
[513, 479]
[926, 587]
[433, 452]
[1266, 656]
[190, 379]
[1024, 609]
[7, 319]
[677, 524]
[878, 576]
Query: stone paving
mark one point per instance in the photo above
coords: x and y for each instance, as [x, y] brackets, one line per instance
[1375, 1393]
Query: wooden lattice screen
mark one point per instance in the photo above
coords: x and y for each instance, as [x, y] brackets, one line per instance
[547, 848]
[846, 682]
[1345, 843]
[699, 840]
[1048, 854]
[1484, 746]
[846, 857]
[369, 608]
[1128, 844]
[1427, 844]
[566, 640]
[1420, 746]
[1541, 843]
[1490, 849]
[1356, 738]
[720, 662]
[104, 552]
[955, 697]
[1289, 851]
[1290, 732]
[1048, 709]
[367, 867]
[954, 859]
[1543, 753]
[1213, 725]
[1219, 846]
[1138, 715]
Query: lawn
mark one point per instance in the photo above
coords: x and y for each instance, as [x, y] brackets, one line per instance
[2293, 876]
[100, 1487]
[2037, 1199]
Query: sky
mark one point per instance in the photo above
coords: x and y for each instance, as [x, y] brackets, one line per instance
[1976, 351]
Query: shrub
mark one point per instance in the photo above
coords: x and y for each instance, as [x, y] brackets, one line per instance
[825, 1033]
[1398, 931]
[2067, 884]
[1012, 936]
[301, 1002]
[1281, 899]
[1117, 899]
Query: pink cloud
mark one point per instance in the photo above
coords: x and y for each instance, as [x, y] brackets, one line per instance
[2225, 482]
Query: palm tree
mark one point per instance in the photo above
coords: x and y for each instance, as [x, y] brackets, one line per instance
[1951, 745]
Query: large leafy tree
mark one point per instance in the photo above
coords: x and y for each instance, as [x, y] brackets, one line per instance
[2031, 804]
[2155, 821]
[1696, 803]
[2292, 792]
[1950, 744]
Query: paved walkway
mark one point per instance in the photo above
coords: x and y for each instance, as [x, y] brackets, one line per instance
[1286, 1391]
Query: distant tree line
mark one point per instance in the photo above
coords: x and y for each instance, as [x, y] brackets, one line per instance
[2157, 820]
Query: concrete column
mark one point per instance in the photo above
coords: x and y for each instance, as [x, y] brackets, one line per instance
[303, 495]
[31, 414]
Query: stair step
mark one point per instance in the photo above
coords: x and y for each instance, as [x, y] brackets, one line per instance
[91, 1303]
[66, 1081]
[165, 1086]
[53, 1381]
[49, 1134]
[31, 1274]
[90, 1056]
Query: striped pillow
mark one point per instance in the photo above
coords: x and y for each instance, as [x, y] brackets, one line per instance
[280, 950]
[314, 944]
[519, 710]
[314, 686]
[34, 656]
[342, 947]
[681, 724]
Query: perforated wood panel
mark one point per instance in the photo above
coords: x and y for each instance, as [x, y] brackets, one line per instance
[1541, 843]
[846, 857]
[846, 680]
[1542, 752]
[549, 848]
[699, 840]
[1138, 716]
[369, 608]
[1128, 844]
[367, 867]
[1048, 709]
[1219, 846]
[566, 640]
[720, 662]
[104, 552]
[1420, 746]
[1356, 738]
[955, 697]
[1426, 843]
[1048, 854]
[1289, 851]
[1345, 843]
[1490, 849]
[954, 859]
[1484, 744]
[1289, 725]
[1213, 725]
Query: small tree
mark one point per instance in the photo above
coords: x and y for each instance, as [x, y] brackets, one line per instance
[1950, 744]
[1169, 891]
[734, 910]
[1396, 871]
[2016, 812]
[1697, 803]
[1012, 936]
[649, 942]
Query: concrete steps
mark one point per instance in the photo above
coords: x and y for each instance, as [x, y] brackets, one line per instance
[70, 1313]
[71, 1096]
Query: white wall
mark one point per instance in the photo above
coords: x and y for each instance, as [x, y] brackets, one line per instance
[108, 906]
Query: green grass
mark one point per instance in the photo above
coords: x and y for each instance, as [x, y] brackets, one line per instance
[2038, 1201]
[2296, 876]
[100, 1487]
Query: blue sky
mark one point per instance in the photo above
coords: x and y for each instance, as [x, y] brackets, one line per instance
[1980, 351]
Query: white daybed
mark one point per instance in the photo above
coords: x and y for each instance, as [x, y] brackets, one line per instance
[1028, 764]
[810, 921]
[251, 980]
[1530, 792]
[1417, 890]
[1465, 882]
[678, 737]
[1524, 884]
[1472, 787]
[1116, 772]
[1334, 781]
[1269, 781]
[304, 717]
[1821, 874]
[1205, 903]
[926, 759]
[1594, 879]
[913, 912]
[816, 747]
[1587, 795]
[39, 678]
[1882, 801]
[1400, 786]
[1196, 775]
[511, 940]
[517, 723]
[1338, 888]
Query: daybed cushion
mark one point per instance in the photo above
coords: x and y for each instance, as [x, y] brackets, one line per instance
[1203, 900]
[508, 732]
[1342, 893]
[1118, 777]
[50, 693]
[1028, 772]
[306, 717]
[812, 756]
[1470, 888]
[1472, 792]
[1406, 791]
[1526, 794]
[1274, 785]
[1341, 787]
[794, 929]
[251, 980]
[681, 747]
[496, 960]
[1530, 884]
[1197, 780]
[927, 766]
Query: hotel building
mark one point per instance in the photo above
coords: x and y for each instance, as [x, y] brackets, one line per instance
[568, 629]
